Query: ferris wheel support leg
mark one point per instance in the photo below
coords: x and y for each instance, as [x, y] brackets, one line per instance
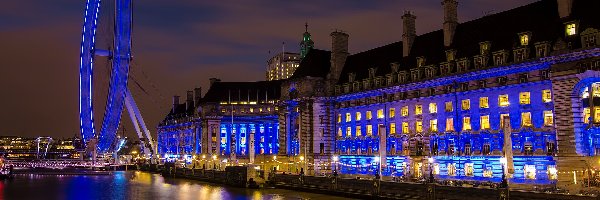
[134, 120]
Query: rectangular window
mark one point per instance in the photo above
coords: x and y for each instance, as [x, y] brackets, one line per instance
[484, 102]
[348, 131]
[369, 130]
[369, 115]
[339, 132]
[466, 104]
[466, 123]
[433, 125]
[358, 131]
[526, 119]
[449, 107]
[419, 126]
[546, 96]
[392, 112]
[524, 98]
[405, 127]
[358, 116]
[348, 118]
[548, 118]
[449, 124]
[571, 29]
[404, 111]
[380, 114]
[485, 122]
[502, 116]
[586, 115]
[432, 108]
[418, 109]
[503, 100]
[392, 128]
[597, 114]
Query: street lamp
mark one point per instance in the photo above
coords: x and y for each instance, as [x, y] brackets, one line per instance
[431, 178]
[335, 160]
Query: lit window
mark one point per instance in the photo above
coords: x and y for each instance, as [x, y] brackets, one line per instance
[251, 110]
[418, 109]
[449, 106]
[339, 118]
[571, 29]
[358, 116]
[524, 98]
[405, 127]
[466, 123]
[548, 118]
[502, 116]
[524, 39]
[484, 102]
[451, 169]
[466, 104]
[597, 114]
[380, 114]
[369, 130]
[348, 117]
[404, 111]
[485, 122]
[392, 112]
[369, 115]
[392, 128]
[552, 172]
[503, 100]
[339, 132]
[348, 132]
[449, 124]
[433, 125]
[526, 119]
[469, 169]
[358, 131]
[586, 115]
[546, 96]
[419, 126]
[432, 108]
[529, 171]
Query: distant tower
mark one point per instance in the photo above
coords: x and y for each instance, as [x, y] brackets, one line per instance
[306, 44]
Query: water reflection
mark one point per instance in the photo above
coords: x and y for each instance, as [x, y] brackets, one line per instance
[133, 185]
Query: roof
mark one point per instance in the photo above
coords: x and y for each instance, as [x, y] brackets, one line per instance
[180, 111]
[243, 91]
[540, 18]
[315, 64]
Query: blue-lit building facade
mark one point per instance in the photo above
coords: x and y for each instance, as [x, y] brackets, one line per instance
[440, 99]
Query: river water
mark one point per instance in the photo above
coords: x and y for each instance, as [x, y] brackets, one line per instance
[133, 185]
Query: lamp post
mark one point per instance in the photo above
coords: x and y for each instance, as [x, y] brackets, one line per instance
[335, 161]
[431, 177]
[504, 183]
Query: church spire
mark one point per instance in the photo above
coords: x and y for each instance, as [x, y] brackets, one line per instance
[306, 44]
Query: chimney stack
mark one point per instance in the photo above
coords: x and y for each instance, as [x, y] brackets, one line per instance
[409, 32]
[197, 95]
[339, 53]
[450, 20]
[175, 103]
[214, 80]
[564, 8]
[189, 102]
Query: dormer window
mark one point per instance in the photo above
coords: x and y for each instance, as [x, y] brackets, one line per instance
[484, 48]
[541, 49]
[524, 39]
[450, 54]
[480, 61]
[351, 77]
[429, 72]
[402, 77]
[499, 58]
[462, 65]
[571, 28]
[371, 72]
[521, 54]
[420, 61]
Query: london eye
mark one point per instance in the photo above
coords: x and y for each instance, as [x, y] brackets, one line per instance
[119, 56]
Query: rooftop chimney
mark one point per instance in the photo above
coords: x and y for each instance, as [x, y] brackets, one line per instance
[339, 53]
[189, 102]
[564, 8]
[450, 20]
[197, 95]
[175, 103]
[409, 32]
[213, 80]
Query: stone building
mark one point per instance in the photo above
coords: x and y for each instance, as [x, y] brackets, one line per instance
[443, 102]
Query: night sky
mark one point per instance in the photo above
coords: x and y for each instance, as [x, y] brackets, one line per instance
[179, 45]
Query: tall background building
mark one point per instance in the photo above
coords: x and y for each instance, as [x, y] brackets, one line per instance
[284, 64]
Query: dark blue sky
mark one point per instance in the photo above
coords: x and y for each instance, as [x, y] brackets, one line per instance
[179, 45]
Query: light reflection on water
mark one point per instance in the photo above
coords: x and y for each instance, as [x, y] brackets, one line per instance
[133, 185]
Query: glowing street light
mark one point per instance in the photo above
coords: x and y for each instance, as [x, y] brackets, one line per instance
[203, 156]
[301, 158]
[336, 158]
